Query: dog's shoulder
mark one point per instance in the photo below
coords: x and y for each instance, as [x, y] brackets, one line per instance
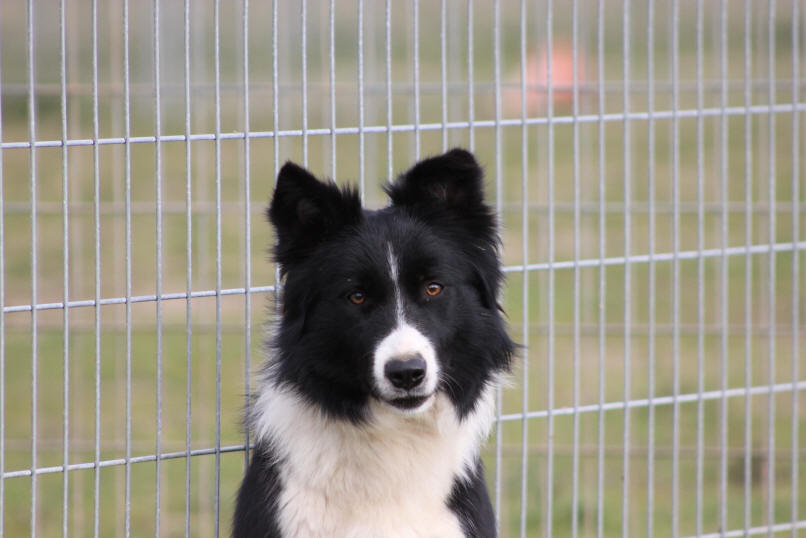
[261, 482]
[470, 502]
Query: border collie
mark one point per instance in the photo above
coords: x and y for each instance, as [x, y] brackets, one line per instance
[379, 392]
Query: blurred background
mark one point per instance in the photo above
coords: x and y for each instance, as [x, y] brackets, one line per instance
[644, 158]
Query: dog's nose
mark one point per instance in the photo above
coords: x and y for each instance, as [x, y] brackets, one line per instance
[406, 373]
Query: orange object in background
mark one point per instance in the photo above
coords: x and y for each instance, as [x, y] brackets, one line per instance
[538, 82]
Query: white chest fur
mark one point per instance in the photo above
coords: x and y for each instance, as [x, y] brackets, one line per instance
[390, 478]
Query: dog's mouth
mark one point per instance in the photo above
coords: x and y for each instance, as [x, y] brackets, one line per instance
[408, 403]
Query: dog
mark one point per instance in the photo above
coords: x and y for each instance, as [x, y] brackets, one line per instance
[390, 343]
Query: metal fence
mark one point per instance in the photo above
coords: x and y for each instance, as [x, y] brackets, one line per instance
[644, 158]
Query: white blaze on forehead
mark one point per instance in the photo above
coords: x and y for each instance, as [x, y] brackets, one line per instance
[403, 342]
[394, 274]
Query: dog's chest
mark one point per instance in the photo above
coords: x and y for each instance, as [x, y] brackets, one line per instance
[364, 510]
[392, 481]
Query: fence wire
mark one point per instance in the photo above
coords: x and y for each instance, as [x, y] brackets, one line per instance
[643, 157]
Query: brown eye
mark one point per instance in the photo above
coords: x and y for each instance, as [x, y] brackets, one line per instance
[433, 289]
[357, 297]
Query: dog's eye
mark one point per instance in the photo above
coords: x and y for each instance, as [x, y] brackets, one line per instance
[432, 289]
[357, 297]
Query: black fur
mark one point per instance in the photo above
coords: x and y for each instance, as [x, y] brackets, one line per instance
[470, 501]
[257, 497]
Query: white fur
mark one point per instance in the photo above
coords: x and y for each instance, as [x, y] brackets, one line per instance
[388, 478]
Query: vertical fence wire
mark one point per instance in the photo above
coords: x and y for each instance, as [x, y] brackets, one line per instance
[65, 267]
[96, 174]
[748, 269]
[602, 319]
[361, 136]
[443, 73]
[127, 174]
[247, 228]
[219, 261]
[275, 96]
[33, 190]
[471, 134]
[724, 241]
[332, 87]
[675, 21]
[795, 371]
[389, 116]
[576, 257]
[303, 36]
[415, 25]
[700, 272]
[524, 240]
[627, 134]
[771, 179]
[159, 261]
[189, 267]
[651, 277]
[551, 277]
[723, 162]
[2, 321]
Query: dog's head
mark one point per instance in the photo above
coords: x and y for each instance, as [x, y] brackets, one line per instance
[393, 305]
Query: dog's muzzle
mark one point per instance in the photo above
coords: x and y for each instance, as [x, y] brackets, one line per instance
[405, 368]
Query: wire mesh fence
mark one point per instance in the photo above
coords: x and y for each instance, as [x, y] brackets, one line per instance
[644, 158]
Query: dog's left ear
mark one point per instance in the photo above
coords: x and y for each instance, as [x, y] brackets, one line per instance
[448, 183]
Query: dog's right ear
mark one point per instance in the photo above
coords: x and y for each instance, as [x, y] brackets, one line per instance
[306, 211]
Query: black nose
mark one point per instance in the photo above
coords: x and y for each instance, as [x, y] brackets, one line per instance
[405, 374]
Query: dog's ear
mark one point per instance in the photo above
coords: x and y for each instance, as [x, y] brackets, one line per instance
[452, 182]
[306, 211]
[447, 191]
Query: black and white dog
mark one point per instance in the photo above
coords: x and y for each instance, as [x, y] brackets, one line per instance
[379, 391]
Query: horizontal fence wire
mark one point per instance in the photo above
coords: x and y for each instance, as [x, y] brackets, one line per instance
[559, 265]
[555, 412]
[611, 117]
